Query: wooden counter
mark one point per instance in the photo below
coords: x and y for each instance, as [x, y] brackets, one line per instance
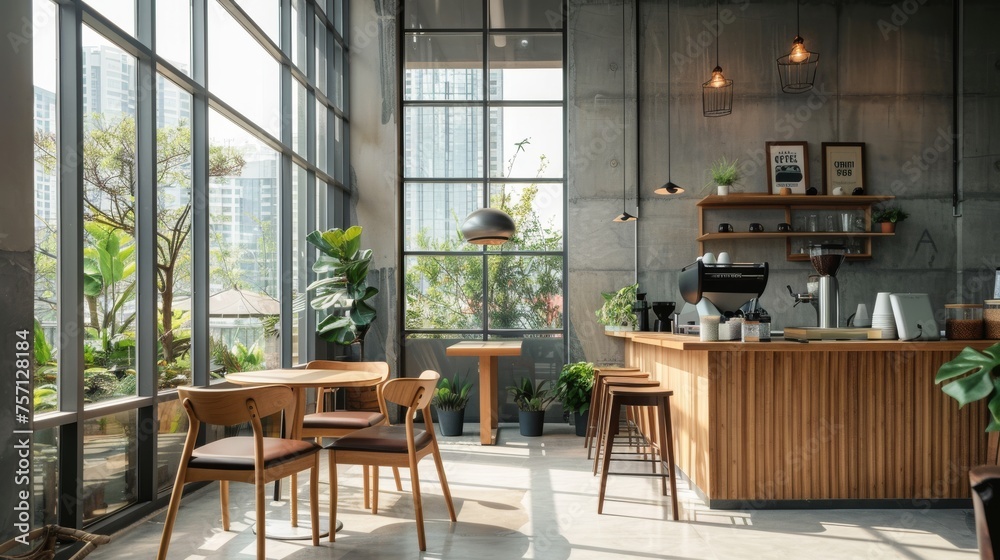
[817, 424]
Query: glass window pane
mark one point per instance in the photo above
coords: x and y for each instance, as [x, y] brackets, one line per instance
[339, 151]
[537, 210]
[322, 145]
[526, 67]
[110, 465]
[120, 12]
[44, 51]
[338, 77]
[45, 451]
[444, 292]
[537, 301]
[530, 14]
[173, 32]
[320, 76]
[434, 212]
[443, 67]
[243, 258]
[299, 33]
[173, 240]
[172, 430]
[300, 135]
[438, 14]
[338, 16]
[266, 14]
[251, 86]
[526, 142]
[109, 219]
[443, 142]
[301, 226]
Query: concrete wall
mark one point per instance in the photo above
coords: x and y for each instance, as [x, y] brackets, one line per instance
[885, 78]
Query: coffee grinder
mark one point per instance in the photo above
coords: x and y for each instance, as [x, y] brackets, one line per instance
[641, 309]
[662, 310]
[826, 258]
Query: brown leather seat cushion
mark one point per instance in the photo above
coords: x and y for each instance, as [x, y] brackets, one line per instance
[389, 439]
[342, 419]
[236, 453]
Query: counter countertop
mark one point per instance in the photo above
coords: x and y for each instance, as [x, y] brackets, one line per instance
[691, 342]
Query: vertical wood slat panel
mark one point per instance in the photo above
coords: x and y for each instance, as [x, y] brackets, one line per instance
[760, 425]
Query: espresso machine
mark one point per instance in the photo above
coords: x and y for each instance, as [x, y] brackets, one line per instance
[721, 289]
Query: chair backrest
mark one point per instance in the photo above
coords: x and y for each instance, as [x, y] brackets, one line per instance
[414, 393]
[381, 368]
[230, 406]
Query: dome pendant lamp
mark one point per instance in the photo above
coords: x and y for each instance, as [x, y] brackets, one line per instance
[488, 226]
[797, 69]
[717, 92]
[624, 216]
[669, 187]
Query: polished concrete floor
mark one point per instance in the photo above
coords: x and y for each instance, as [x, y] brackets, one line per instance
[536, 498]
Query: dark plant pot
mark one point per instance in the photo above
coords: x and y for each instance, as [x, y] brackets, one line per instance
[531, 422]
[451, 422]
[581, 422]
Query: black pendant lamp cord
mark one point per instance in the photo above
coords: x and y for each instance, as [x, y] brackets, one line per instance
[717, 23]
[797, 25]
[624, 116]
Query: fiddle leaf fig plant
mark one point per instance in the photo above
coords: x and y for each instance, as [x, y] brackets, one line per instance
[972, 379]
[342, 288]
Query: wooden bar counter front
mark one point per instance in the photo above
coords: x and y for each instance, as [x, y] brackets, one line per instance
[825, 424]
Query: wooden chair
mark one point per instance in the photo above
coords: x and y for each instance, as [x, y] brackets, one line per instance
[337, 423]
[253, 459]
[398, 446]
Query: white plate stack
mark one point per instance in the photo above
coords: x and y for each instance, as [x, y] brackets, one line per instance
[882, 317]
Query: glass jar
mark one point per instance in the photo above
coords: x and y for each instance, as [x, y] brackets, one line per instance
[765, 328]
[751, 327]
[991, 318]
[964, 321]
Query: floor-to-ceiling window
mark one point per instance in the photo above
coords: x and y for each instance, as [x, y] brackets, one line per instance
[183, 149]
[483, 124]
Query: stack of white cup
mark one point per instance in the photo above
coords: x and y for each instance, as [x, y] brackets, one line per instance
[882, 317]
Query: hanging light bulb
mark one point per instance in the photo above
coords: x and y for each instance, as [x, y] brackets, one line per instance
[718, 80]
[797, 69]
[799, 53]
[717, 92]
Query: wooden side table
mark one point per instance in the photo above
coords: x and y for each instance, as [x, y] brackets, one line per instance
[489, 353]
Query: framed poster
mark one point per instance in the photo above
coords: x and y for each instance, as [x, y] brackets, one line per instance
[843, 166]
[787, 166]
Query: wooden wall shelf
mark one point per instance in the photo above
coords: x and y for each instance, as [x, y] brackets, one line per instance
[793, 205]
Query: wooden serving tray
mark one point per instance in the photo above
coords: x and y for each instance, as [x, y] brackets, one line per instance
[816, 333]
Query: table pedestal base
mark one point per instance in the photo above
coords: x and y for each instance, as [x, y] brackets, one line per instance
[282, 530]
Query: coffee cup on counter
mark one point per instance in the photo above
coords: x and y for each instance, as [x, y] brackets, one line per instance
[756, 228]
[784, 226]
[725, 228]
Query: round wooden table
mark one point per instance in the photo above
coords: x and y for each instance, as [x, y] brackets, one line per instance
[299, 380]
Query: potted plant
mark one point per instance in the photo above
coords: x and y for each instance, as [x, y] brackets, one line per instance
[450, 398]
[341, 289]
[617, 314]
[574, 385]
[888, 216]
[532, 400]
[724, 174]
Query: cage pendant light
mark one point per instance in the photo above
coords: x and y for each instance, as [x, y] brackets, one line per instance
[797, 69]
[717, 92]
[624, 216]
[669, 187]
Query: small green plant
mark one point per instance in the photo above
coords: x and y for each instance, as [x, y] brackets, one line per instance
[574, 385]
[451, 395]
[531, 397]
[724, 172]
[617, 309]
[974, 377]
[891, 214]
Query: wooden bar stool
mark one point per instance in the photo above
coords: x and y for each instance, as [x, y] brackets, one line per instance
[599, 375]
[607, 415]
[658, 402]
